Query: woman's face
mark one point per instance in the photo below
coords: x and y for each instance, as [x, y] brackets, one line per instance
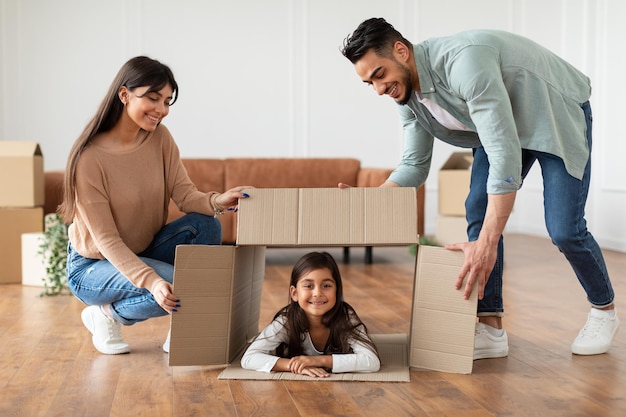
[315, 292]
[147, 109]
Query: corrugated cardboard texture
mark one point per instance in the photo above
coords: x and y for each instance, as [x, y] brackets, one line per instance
[328, 216]
[450, 229]
[220, 292]
[21, 174]
[394, 367]
[454, 181]
[443, 323]
[14, 222]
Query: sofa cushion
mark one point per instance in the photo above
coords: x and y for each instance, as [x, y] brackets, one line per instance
[290, 172]
[53, 190]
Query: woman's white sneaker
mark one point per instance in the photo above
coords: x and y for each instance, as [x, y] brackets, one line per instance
[166, 344]
[597, 335]
[106, 331]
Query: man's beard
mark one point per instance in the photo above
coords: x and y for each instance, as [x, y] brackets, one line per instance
[408, 85]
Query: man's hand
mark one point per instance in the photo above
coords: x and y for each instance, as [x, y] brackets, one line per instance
[481, 255]
[479, 262]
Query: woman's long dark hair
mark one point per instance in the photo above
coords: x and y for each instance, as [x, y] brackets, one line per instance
[139, 71]
[342, 320]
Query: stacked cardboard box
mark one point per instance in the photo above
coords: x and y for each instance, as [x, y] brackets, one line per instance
[454, 181]
[21, 201]
[222, 285]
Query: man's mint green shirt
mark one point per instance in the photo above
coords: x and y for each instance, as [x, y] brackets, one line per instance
[513, 93]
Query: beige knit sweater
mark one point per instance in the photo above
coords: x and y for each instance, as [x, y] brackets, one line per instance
[122, 200]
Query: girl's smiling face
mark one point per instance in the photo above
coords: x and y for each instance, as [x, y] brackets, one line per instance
[315, 292]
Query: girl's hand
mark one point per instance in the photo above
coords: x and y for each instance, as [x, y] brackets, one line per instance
[315, 372]
[307, 365]
[162, 293]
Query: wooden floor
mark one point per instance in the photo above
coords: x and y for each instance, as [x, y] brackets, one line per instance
[48, 366]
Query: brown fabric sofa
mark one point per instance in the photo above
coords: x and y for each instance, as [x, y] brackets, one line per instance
[223, 174]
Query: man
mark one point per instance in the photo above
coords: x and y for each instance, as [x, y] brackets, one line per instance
[513, 102]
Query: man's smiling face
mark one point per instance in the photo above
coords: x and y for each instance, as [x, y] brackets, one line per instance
[386, 75]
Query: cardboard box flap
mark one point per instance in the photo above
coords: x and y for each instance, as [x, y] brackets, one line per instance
[220, 292]
[458, 160]
[328, 216]
[442, 328]
[19, 148]
[21, 174]
[454, 183]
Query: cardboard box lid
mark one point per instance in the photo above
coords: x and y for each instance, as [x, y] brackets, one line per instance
[14, 148]
[328, 216]
[443, 323]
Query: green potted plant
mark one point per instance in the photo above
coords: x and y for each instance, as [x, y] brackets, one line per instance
[53, 249]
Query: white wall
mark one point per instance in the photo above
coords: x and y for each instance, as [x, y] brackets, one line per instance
[266, 78]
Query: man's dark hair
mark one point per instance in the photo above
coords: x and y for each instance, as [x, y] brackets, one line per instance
[374, 33]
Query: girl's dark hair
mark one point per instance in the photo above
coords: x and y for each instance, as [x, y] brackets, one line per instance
[137, 72]
[374, 33]
[342, 320]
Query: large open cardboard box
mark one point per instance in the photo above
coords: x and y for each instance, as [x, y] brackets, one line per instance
[216, 281]
[21, 174]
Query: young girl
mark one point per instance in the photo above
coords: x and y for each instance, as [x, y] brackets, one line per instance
[121, 173]
[317, 331]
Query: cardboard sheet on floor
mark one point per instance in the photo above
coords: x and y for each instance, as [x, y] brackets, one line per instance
[392, 349]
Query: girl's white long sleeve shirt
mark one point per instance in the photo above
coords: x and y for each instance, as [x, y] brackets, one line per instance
[260, 354]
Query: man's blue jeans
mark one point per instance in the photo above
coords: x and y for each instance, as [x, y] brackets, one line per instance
[564, 210]
[98, 282]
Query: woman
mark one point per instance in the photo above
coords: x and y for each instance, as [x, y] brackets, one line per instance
[121, 173]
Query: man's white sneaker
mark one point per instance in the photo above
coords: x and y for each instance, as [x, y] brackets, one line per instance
[596, 337]
[487, 345]
[166, 344]
[106, 331]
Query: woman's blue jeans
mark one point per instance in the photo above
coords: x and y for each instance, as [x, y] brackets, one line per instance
[98, 282]
[564, 210]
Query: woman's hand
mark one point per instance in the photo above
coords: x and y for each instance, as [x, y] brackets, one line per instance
[228, 200]
[162, 293]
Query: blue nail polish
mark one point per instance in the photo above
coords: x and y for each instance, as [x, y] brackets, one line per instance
[246, 195]
[174, 310]
[236, 210]
[177, 305]
[230, 208]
